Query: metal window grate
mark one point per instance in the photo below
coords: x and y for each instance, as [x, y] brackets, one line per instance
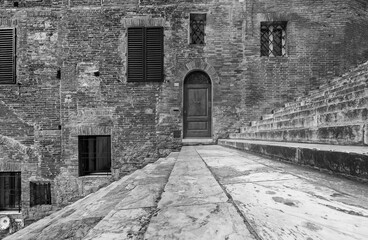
[197, 25]
[273, 39]
[10, 191]
[40, 193]
[94, 155]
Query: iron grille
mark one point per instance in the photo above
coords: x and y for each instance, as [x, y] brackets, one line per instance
[197, 25]
[7, 56]
[40, 193]
[273, 39]
[145, 54]
[94, 155]
[10, 191]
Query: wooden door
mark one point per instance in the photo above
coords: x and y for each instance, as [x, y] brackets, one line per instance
[197, 105]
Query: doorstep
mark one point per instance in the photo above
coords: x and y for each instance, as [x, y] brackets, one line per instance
[197, 141]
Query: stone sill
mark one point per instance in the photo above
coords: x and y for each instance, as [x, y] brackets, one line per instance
[10, 212]
[97, 175]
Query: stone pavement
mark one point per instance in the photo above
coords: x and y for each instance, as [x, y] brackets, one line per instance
[213, 192]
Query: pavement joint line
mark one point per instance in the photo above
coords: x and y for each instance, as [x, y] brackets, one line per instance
[231, 200]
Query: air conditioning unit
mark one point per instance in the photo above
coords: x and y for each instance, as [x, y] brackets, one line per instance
[4, 223]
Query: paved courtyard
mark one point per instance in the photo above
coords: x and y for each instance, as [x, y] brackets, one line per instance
[212, 192]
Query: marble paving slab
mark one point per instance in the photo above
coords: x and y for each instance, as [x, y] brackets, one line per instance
[227, 161]
[205, 222]
[141, 196]
[121, 224]
[189, 190]
[295, 209]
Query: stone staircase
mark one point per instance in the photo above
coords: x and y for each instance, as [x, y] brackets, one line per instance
[131, 201]
[334, 114]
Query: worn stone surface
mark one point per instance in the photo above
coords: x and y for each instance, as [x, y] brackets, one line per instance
[350, 161]
[206, 221]
[131, 192]
[308, 205]
[253, 198]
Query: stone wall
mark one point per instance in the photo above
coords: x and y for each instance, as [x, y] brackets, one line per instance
[71, 77]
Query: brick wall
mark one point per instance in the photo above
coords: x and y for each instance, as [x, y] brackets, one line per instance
[80, 38]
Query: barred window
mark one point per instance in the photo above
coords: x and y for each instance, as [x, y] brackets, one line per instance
[10, 191]
[197, 25]
[145, 54]
[94, 155]
[273, 39]
[7, 56]
[40, 193]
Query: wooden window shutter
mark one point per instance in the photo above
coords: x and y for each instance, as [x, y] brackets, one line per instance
[154, 54]
[136, 54]
[7, 56]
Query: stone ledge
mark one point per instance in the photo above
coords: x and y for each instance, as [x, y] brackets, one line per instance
[348, 161]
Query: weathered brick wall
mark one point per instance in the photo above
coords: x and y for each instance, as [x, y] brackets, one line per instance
[81, 38]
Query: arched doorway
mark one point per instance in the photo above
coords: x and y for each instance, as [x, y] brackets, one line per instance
[197, 105]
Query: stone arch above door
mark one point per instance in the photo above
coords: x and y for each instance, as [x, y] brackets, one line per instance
[199, 65]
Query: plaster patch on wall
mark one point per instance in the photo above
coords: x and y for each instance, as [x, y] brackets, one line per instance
[85, 76]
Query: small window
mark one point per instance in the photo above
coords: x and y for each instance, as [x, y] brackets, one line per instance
[145, 54]
[197, 25]
[273, 39]
[10, 191]
[40, 193]
[94, 155]
[7, 56]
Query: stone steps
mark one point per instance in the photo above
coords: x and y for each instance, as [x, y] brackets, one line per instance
[336, 113]
[139, 190]
[348, 161]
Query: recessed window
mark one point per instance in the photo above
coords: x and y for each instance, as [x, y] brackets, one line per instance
[10, 191]
[94, 155]
[273, 39]
[40, 193]
[145, 54]
[197, 25]
[7, 56]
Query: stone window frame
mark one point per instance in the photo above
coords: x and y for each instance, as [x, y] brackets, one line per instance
[190, 40]
[17, 189]
[10, 76]
[267, 41]
[82, 158]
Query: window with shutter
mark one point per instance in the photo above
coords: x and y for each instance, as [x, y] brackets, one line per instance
[145, 54]
[40, 193]
[94, 155]
[7, 56]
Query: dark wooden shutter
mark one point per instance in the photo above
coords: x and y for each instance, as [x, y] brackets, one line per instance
[136, 54]
[154, 54]
[7, 56]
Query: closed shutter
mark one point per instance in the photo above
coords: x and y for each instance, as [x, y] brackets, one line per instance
[154, 54]
[7, 56]
[136, 54]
